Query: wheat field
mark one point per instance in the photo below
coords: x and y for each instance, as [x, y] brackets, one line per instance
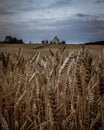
[52, 88]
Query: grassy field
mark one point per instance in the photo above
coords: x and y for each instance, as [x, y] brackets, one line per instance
[44, 49]
[51, 87]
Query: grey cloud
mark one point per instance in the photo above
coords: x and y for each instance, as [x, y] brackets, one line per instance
[61, 3]
[11, 7]
[79, 30]
[74, 27]
[6, 11]
[99, 1]
[82, 15]
[93, 24]
[88, 17]
[71, 30]
[31, 1]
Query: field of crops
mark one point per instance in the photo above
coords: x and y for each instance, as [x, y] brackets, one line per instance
[60, 90]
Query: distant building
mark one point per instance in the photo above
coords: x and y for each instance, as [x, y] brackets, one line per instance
[55, 40]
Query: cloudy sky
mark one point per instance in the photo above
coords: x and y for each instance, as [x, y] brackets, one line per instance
[74, 21]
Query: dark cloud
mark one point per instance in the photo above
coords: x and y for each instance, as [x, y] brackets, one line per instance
[99, 1]
[12, 7]
[60, 3]
[35, 20]
[6, 11]
[71, 30]
[81, 31]
[82, 15]
[88, 17]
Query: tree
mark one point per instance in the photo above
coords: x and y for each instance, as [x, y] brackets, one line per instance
[10, 39]
[43, 42]
[20, 41]
[14, 40]
[63, 42]
[46, 41]
[30, 42]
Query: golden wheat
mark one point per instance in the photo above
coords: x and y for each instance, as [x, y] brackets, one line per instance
[61, 91]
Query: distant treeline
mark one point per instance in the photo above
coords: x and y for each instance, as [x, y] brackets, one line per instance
[12, 40]
[95, 43]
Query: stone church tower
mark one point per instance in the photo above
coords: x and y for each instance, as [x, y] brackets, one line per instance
[55, 40]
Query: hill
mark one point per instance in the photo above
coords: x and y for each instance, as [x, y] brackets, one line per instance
[95, 43]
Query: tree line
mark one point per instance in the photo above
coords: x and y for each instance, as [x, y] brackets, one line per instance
[12, 40]
[95, 43]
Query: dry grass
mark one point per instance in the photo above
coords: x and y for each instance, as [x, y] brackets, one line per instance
[62, 89]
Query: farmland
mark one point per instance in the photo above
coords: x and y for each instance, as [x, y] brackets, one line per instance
[44, 48]
[51, 87]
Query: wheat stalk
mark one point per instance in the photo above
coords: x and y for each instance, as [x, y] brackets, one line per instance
[3, 123]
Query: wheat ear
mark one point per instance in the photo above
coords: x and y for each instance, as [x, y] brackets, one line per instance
[69, 119]
[78, 77]
[3, 123]
[88, 68]
[52, 100]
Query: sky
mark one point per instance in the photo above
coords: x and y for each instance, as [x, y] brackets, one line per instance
[75, 21]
